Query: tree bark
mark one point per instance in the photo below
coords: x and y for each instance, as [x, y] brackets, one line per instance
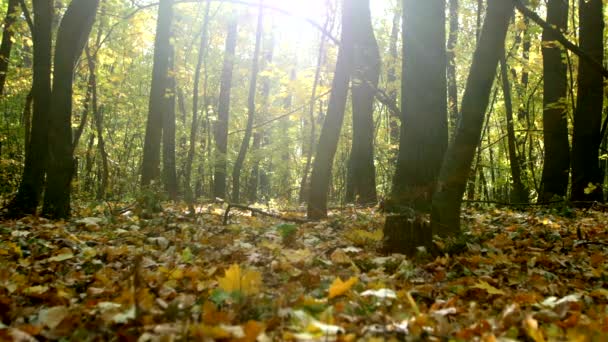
[392, 78]
[202, 51]
[238, 164]
[330, 132]
[7, 41]
[150, 168]
[555, 121]
[451, 63]
[169, 168]
[365, 78]
[71, 38]
[519, 194]
[424, 133]
[586, 174]
[32, 180]
[221, 126]
[445, 216]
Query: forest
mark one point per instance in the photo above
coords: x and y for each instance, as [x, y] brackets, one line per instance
[303, 170]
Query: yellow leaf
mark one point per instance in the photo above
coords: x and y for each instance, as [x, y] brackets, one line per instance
[339, 287]
[489, 288]
[248, 282]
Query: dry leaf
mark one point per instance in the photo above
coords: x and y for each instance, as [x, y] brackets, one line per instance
[339, 287]
[247, 282]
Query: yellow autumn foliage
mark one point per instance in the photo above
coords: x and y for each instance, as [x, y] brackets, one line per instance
[248, 282]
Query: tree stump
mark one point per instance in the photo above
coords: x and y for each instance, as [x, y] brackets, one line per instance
[404, 233]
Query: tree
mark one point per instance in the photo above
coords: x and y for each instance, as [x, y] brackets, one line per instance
[202, 50]
[150, 168]
[555, 122]
[445, 215]
[424, 131]
[451, 63]
[71, 38]
[169, 171]
[7, 40]
[365, 77]
[330, 132]
[32, 180]
[586, 174]
[221, 126]
[238, 164]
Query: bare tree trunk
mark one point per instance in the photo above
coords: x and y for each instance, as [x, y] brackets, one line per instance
[202, 52]
[169, 168]
[71, 38]
[555, 122]
[392, 78]
[445, 217]
[32, 180]
[221, 126]
[519, 193]
[330, 133]
[238, 164]
[150, 168]
[7, 41]
[451, 72]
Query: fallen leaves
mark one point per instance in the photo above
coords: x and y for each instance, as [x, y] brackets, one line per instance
[512, 276]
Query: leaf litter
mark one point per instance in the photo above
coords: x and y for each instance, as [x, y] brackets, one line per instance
[533, 276]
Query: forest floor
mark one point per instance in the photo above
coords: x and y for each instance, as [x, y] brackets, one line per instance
[538, 275]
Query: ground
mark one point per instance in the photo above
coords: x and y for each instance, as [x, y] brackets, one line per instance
[538, 275]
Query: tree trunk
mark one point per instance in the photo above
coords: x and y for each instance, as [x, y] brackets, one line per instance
[71, 38]
[451, 71]
[518, 193]
[238, 164]
[365, 77]
[150, 168]
[7, 42]
[424, 133]
[32, 181]
[169, 170]
[330, 132]
[586, 174]
[202, 51]
[555, 122]
[304, 186]
[221, 126]
[455, 170]
[392, 79]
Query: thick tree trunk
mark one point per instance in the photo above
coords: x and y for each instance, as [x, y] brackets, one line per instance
[71, 38]
[7, 40]
[586, 175]
[451, 72]
[150, 168]
[455, 170]
[519, 194]
[169, 168]
[202, 52]
[424, 133]
[330, 132]
[555, 122]
[32, 181]
[392, 78]
[365, 77]
[238, 164]
[221, 126]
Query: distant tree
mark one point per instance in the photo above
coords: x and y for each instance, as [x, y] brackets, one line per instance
[361, 185]
[452, 85]
[445, 216]
[424, 132]
[7, 40]
[586, 175]
[202, 51]
[150, 168]
[71, 39]
[221, 126]
[169, 173]
[328, 140]
[238, 164]
[32, 180]
[555, 122]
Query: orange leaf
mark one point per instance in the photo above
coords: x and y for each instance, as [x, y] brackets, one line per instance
[339, 287]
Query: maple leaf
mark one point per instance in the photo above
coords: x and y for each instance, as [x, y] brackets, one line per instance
[247, 282]
[339, 287]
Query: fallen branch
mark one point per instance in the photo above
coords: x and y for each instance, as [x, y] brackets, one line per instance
[261, 212]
